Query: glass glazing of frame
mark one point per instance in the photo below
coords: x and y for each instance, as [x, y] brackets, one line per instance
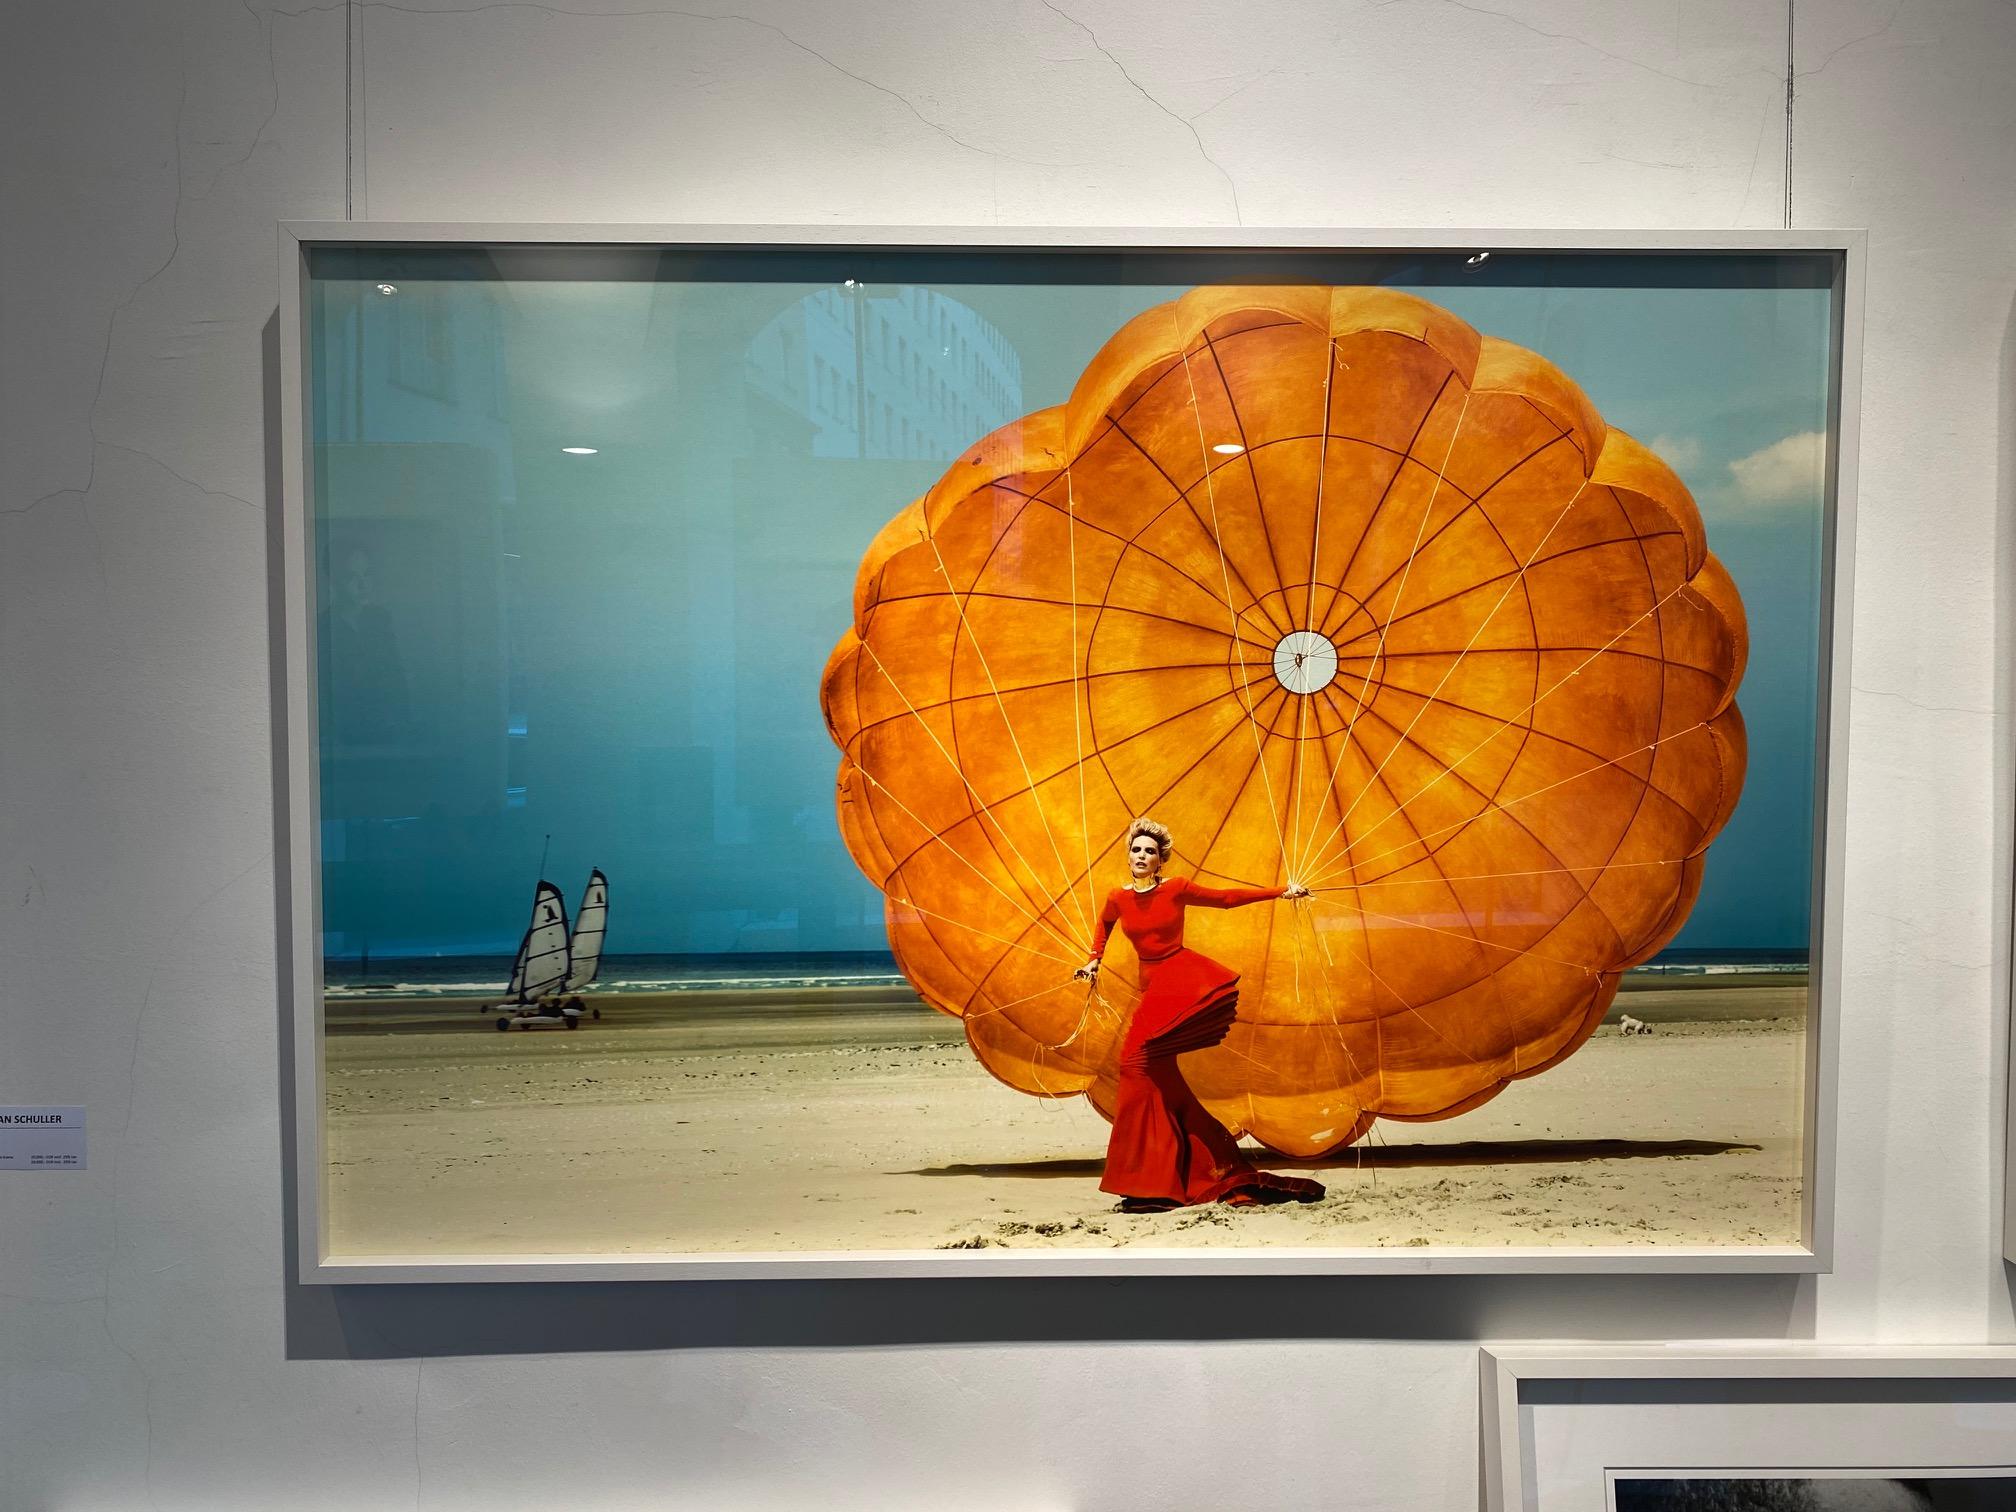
[740, 676]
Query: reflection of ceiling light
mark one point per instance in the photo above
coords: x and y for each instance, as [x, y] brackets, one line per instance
[1228, 448]
[580, 451]
[1478, 261]
[388, 288]
[852, 283]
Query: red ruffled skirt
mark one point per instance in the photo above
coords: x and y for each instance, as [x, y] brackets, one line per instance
[1165, 1144]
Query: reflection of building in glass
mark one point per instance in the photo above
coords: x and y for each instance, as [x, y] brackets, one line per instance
[420, 676]
[908, 374]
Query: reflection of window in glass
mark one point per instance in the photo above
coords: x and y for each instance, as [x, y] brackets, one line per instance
[494, 361]
[918, 389]
[422, 342]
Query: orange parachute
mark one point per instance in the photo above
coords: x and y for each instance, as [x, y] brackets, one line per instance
[1343, 593]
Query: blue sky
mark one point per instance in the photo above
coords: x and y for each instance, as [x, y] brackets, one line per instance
[622, 650]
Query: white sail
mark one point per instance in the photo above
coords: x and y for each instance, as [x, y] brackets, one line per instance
[542, 956]
[591, 922]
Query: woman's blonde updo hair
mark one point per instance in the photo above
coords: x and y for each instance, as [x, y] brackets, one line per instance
[1159, 833]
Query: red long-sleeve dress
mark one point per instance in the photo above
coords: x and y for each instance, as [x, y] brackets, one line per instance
[1165, 1145]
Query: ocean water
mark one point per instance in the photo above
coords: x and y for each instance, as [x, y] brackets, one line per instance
[481, 976]
[1722, 963]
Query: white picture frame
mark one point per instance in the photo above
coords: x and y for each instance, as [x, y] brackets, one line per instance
[1562, 1423]
[2009, 1135]
[302, 981]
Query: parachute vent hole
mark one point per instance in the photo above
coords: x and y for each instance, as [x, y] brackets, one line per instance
[1305, 661]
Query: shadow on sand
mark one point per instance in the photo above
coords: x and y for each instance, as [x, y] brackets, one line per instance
[1471, 1153]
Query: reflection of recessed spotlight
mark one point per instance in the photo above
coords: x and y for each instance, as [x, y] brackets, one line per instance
[1228, 448]
[1477, 261]
[580, 451]
[388, 288]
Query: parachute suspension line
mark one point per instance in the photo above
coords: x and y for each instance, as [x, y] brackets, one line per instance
[1399, 593]
[1013, 902]
[1354, 1071]
[1410, 1008]
[1035, 796]
[1225, 578]
[982, 810]
[1507, 724]
[1093, 1001]
[1079, 683]
[1036, 1070]
[1511, 803]
[1454, 934]
[1330, 965]
[1309, 611]
[1543, 871]
[1322, 475]
[1448, 672]
[1378, 1028]
[1030, 997]
[1337, 1031]
[1048, 955]
[1297, 779]
[1295, 937]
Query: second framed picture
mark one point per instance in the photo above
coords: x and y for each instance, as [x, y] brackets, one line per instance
[1791, 1427]
[917, 753]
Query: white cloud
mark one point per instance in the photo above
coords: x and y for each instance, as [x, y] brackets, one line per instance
[1681, 453]
[1787, 470]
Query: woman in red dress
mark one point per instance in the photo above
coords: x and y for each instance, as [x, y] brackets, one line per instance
[1167, 1150]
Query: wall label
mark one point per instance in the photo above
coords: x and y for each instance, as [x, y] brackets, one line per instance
[41, 1139]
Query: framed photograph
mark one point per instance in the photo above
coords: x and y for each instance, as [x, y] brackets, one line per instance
[822, 751]
[2009, 1144]
[1786, 1428]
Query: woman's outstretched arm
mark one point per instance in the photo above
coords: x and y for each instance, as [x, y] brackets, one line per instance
[1233, 897]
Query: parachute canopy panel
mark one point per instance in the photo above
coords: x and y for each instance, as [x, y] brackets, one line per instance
[1346, 594]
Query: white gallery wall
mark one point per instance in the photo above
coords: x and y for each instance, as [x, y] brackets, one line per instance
[154, 1354]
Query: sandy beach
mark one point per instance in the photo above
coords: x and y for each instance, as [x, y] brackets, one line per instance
[691, 1122]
